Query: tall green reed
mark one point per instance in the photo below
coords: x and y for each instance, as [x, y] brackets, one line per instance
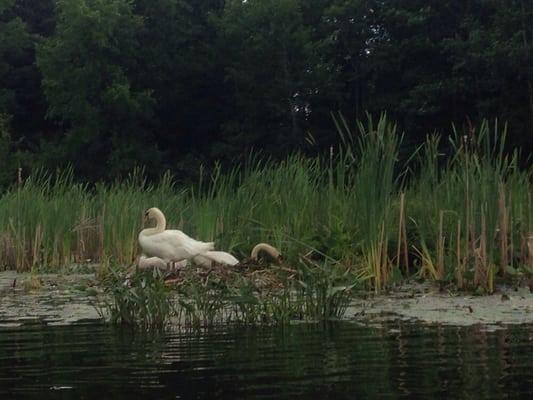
[372, 153]
[472, 212]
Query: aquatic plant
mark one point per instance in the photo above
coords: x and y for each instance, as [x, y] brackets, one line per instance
[457, 211]
[201, 298]
[140, 299]
[326, 289]
[246, 294]
[473, 222]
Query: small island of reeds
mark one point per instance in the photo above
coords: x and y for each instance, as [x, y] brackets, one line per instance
[457, 211]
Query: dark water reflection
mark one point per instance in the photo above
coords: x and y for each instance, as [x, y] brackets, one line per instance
[339, 361]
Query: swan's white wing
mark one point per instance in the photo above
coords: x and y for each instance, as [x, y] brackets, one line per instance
[191, 245]
[162, 245]
[172, 245]
[220, 257]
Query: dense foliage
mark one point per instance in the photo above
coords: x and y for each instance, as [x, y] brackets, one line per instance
[104, 85]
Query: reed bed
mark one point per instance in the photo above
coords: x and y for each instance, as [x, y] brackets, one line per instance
[250, 293]
[459, 211]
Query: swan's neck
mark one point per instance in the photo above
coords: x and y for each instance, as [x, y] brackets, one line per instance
[270, 250]
[160, 224]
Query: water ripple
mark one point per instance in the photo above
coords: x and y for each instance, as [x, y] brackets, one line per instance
[305, 361]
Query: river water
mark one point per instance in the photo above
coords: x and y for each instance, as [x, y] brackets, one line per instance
[308, 361]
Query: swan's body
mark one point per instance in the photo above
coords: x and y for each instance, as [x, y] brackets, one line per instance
[172, 245]
[169, 244]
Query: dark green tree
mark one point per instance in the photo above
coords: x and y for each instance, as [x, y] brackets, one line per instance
[349, 40]
[23, 24]
[179, 63]
[14, 44]
[105, 85]
[269, 62]
[86, 69]
[15, 60]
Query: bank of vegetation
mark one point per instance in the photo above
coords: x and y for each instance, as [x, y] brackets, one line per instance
[460, 210]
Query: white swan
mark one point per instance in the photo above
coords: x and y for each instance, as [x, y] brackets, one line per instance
[174, 245]
[204, 260]
[169, 244]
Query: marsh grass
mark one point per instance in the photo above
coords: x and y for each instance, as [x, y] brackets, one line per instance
[460, 211]
[140, 300]
[477, 212]
[325, 289]
[247, 294]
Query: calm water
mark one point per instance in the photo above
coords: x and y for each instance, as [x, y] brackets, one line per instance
[340, 361]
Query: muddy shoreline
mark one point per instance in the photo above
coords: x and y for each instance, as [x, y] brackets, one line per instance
[62, 299]
[48, 299]
[426, 303]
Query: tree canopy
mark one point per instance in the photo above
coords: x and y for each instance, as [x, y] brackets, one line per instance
[107, 85]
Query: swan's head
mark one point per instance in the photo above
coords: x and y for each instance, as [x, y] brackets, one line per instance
[156, 215]
[152, 213]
